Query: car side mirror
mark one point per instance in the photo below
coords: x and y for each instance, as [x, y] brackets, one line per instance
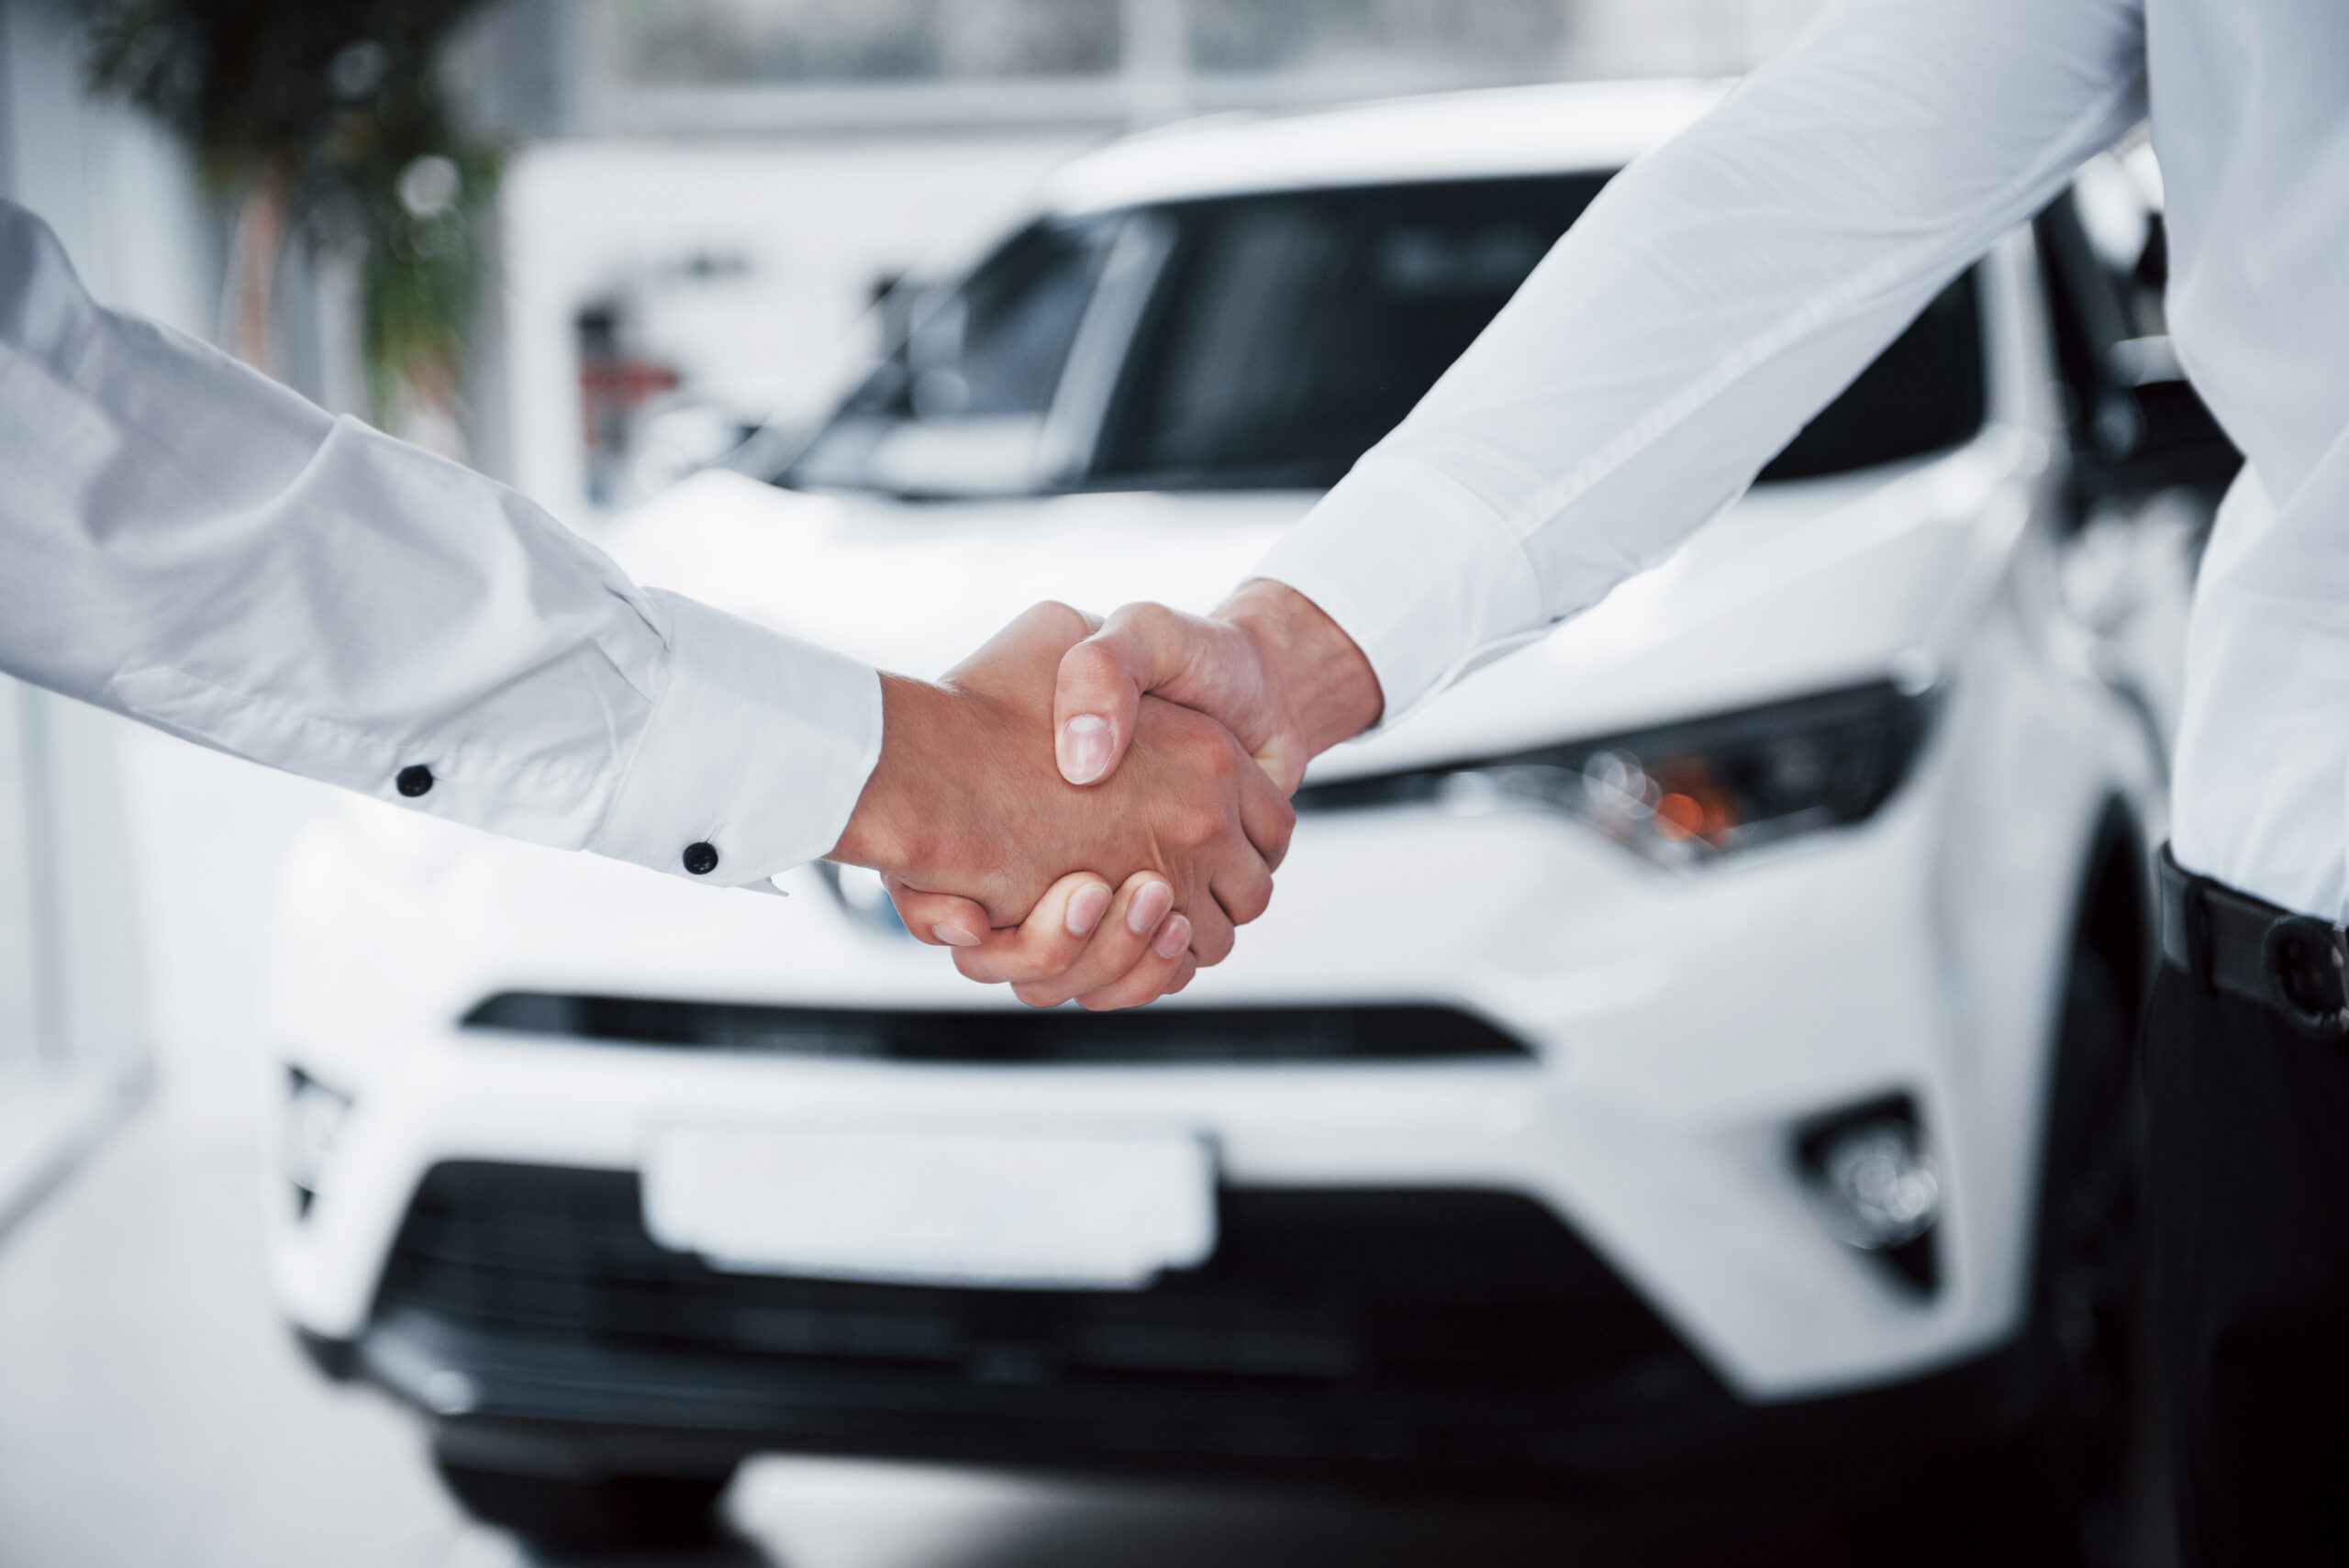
[2150, 428]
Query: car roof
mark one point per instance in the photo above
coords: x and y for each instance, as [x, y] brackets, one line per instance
[1577, 127]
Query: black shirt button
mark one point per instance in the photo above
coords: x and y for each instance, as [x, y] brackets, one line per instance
[414, 781]
[701, 858]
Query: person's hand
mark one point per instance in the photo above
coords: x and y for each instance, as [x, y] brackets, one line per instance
[1083, 941]
[1268, 665]
[966, 800]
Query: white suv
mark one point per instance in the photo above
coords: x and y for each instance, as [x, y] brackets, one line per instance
[1699, 1041]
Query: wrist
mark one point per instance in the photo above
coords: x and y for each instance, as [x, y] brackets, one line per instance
[1327, 687]
[898, 816]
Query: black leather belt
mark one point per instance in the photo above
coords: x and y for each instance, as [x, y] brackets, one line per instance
[2296, 965]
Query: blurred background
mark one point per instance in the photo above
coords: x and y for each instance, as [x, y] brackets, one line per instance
[702, 210]
[602, 242]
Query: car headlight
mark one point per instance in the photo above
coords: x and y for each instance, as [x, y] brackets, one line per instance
[1682, 794]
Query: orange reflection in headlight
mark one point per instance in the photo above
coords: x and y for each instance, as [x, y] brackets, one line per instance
[1697, 803]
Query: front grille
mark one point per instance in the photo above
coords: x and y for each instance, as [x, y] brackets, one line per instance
[1151, 1035]
[1397, 1290]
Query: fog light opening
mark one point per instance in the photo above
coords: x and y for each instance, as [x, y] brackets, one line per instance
[312, 1122]
[1876, 1186]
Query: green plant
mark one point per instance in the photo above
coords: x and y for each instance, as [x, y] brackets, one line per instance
[325, 118]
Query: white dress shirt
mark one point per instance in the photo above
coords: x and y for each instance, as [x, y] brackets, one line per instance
[1727, 286]
[184, 542]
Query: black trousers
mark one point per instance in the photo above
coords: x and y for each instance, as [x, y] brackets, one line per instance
[2248, 1215]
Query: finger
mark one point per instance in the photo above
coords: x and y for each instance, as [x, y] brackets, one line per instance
[1168, 960]
[1121, 940]
[1211, 932]
[1243, 889]
[1139, 648]
[1102, 683]
[1051, 938]
[1266, 816]
[1238, 877]
[1184, 972]
[938, 918]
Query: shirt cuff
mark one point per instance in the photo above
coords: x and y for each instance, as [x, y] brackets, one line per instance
[753, 756]
[1425, 578]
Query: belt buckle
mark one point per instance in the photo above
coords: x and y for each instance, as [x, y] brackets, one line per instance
[2307, 963]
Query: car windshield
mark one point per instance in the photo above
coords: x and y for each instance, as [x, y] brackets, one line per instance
[1267, 343]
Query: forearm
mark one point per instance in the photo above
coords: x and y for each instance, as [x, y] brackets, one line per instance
[192, 545]
[1715, 298]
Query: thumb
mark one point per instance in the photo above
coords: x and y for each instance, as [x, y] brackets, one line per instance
[1197, 662]
[1102, 679]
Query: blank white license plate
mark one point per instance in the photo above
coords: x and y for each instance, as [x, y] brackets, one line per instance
[1104, 1212]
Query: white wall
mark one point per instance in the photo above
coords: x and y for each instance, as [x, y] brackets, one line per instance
[82, 910]
[24, 1038]
[118, 190]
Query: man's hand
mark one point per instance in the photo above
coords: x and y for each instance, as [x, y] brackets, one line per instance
[1066, 949]
[1268, 665]
[966, 800]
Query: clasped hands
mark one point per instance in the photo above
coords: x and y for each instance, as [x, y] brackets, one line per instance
[1088, 809]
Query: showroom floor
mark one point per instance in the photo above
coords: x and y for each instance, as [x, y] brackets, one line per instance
[154, 1414]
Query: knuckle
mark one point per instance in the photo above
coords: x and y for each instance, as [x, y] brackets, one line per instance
[1145, 616]
[1053, 616]
[1196, 827]
[1093, 673]
[1093, 659]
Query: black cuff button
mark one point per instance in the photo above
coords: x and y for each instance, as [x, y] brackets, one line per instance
[701, 858]
[414, 781]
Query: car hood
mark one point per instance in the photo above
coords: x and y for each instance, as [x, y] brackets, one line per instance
[1794, 588]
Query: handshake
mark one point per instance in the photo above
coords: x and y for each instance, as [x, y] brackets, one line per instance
[1089, 809]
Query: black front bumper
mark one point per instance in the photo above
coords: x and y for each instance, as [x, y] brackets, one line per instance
[1427, 1332]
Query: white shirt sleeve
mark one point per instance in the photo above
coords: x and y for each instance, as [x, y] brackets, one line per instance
[1715, 298]
[184, 542]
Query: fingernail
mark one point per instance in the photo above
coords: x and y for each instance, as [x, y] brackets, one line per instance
[1149, 906]
[955, 936]
[1085, 907]
[1084, 748]
[1172, 938]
